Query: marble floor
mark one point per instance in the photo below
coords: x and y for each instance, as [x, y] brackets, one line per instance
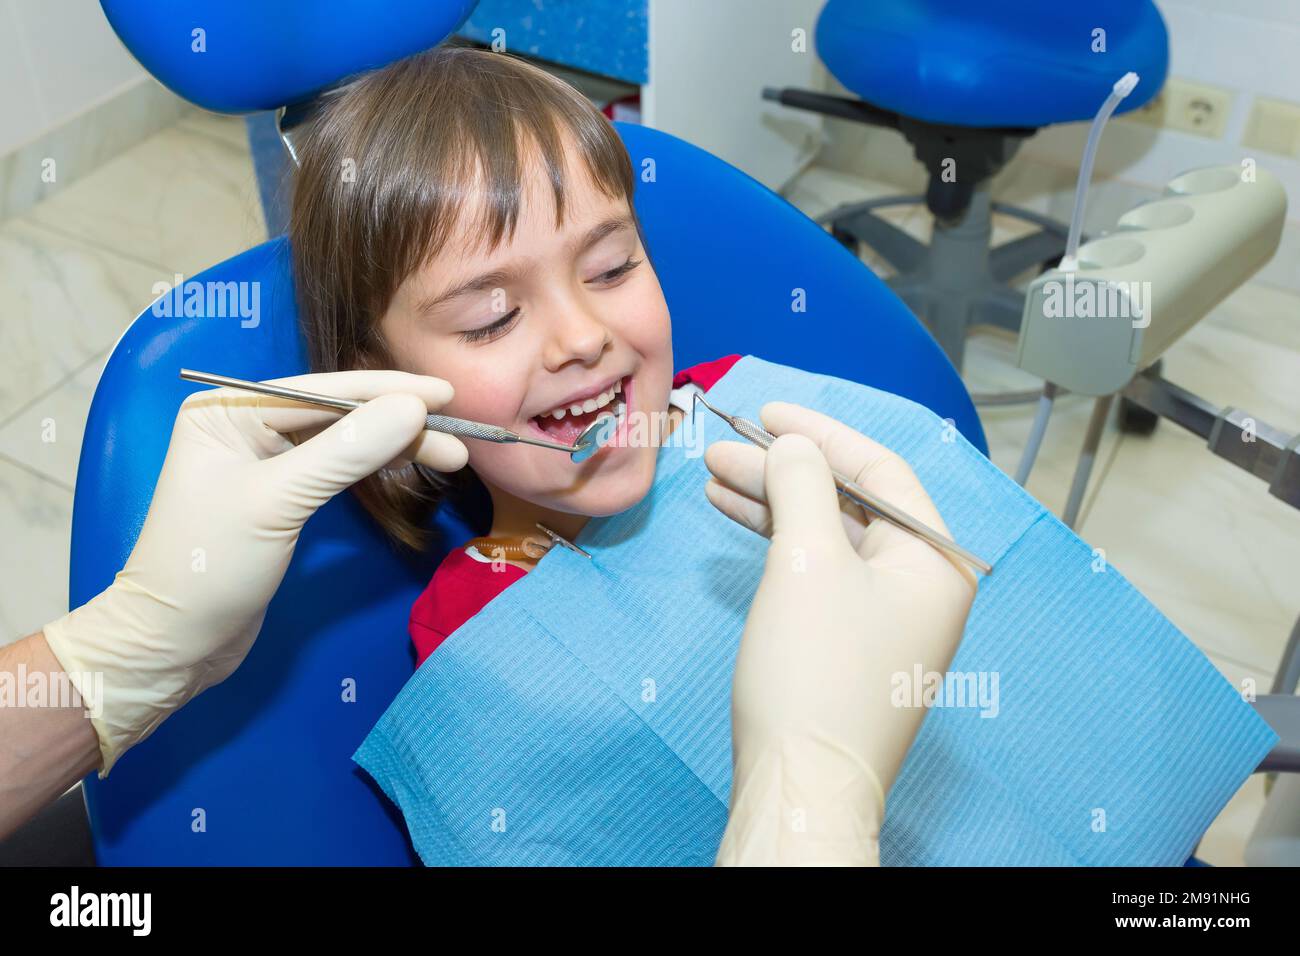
[78, 267]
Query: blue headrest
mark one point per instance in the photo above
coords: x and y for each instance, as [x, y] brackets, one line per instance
[266, 756]
[1026, 63]
[242, 56]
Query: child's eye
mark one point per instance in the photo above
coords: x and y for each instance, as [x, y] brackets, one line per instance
[616, 272]
[494, 331]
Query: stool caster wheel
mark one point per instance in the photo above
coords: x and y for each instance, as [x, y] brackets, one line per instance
[848, 241]
[1133, 419]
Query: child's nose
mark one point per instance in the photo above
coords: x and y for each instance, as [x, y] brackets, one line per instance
[576, 332]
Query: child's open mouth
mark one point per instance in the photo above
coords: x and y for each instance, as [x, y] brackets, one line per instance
[566, 423]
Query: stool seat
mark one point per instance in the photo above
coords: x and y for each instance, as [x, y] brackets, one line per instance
[1013, 63]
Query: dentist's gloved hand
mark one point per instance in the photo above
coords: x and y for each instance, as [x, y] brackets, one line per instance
[844, 604]
[233, 494]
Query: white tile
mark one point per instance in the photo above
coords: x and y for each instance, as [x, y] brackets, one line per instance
[1280, 271]
[823, 188]
[1282, 11]
[46, 435]
[1246, 353]
[75, 56]
[22, 116]
[181, 200]
[36, 515]
[231, 129]
[62, 155]
[64, 301]
[1203, 541]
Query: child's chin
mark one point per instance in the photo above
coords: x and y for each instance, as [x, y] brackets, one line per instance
[610, 497]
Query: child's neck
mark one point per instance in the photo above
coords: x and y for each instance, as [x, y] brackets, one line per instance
[516, 518]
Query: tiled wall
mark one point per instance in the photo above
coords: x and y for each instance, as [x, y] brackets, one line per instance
[71, 98]
[57, 59]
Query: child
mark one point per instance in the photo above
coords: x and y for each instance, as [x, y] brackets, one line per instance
[466, 215]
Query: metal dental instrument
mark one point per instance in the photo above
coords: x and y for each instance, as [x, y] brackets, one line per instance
[589, 441]
[763, 438]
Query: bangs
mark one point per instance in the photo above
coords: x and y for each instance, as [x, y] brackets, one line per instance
[499, 151]
[444, 143]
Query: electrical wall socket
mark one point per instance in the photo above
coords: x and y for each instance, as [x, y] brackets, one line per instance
[1189, 108]
[1273, 127]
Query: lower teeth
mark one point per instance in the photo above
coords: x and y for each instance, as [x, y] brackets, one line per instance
[617, 411]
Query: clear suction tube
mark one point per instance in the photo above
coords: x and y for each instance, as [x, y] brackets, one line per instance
[1122, 88]
[1070, 261]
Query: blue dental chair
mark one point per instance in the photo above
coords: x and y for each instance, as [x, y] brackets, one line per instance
[966, 83]
[258, 769]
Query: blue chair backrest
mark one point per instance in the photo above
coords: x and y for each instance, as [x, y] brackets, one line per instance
[264, 759]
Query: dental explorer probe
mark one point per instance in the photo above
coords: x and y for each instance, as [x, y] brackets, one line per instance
[900, 519]
[589, 441]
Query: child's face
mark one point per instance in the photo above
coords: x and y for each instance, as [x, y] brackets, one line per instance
[554, 313]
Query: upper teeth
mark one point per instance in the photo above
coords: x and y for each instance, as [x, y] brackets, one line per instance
[590, 405]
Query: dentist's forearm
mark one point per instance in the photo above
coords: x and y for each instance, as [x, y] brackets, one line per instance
[802, 806]
[44, 749]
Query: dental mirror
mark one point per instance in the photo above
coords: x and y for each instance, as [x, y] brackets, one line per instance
[594, 437]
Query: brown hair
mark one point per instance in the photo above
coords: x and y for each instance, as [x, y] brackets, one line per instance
[386, 165]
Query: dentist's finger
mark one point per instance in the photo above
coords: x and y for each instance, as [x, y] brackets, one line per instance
[868, 463]
[285, 415]
[436, 450]
[879, 471]
[357, 445]
[746, 512]
[740, 467]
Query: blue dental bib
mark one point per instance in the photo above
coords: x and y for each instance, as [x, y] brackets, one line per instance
[583, 716]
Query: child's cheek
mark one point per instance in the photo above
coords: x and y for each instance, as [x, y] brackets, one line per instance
[645, 320]
[487, 461]
[477, 400]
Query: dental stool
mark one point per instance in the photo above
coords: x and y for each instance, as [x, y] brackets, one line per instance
[966, 84]
[258, 769]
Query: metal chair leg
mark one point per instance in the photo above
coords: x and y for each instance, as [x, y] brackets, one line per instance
[1087, 457]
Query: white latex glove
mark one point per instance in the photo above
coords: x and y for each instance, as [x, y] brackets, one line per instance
[843, 606]
[233, 494]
